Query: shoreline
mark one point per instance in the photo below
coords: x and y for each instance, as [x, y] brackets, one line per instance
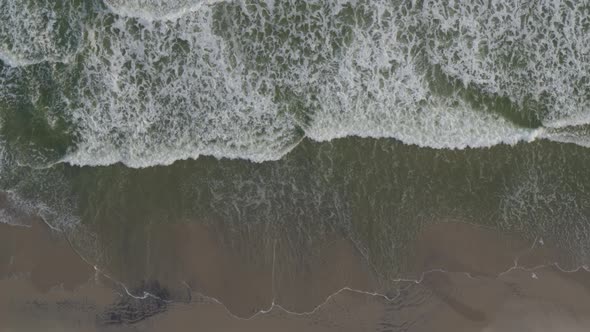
[49, 277]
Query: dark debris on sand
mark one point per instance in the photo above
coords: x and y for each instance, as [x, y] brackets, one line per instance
[131, 310]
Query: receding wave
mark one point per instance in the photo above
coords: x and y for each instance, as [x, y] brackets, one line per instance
[156, 81]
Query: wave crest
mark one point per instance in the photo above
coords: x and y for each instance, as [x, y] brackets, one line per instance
[158, 81]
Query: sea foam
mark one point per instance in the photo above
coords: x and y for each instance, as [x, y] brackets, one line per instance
[537, 53]
[35, 31]
[157, 81]
[156, 9]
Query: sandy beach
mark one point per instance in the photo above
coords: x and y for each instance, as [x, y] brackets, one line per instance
[464, 279]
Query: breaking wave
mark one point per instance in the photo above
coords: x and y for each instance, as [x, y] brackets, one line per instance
[150, 81]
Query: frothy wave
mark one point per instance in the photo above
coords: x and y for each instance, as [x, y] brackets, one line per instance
[35, 31]
[156, 9]
[157, 81]
[537, 53]
[579, 135]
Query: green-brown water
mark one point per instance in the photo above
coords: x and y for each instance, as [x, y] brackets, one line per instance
[379, 193]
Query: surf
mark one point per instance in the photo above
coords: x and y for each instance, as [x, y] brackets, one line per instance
[150, 82]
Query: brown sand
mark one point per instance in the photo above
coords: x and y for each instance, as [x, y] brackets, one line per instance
[462, 247]
[43, 282]
[45, 256]
[45, 286]
[302, 285]
[481, 251]
[191, 255]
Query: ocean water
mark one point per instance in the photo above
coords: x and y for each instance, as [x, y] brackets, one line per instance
[297, 119]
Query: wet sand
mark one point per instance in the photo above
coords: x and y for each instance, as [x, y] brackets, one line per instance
[464, 279]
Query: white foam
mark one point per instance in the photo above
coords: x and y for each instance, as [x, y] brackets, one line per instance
[378, 92]
[525, 50]
[34, 31]
[209, 100]
[156, 9]
[168, 80]
[17, 211]
[20, 211]
[141, 104]
[579, 135]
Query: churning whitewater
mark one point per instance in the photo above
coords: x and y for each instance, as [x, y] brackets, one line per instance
[147, 82]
